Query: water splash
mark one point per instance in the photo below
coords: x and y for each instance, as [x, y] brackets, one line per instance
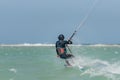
[97, 67]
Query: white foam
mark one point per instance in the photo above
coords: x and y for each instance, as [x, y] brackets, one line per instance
[46, 44]
[13, 70]
[27, 44]
[96, 67]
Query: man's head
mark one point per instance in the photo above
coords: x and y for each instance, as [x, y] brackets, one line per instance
[61, 37]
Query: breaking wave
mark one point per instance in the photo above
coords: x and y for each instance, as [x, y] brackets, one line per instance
[27, 44]
[46, 44]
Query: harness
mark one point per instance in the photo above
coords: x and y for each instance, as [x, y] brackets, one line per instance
[61, 51]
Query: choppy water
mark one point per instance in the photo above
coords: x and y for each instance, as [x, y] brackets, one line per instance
[40, 63]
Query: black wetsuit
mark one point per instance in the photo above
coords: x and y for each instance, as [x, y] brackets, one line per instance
[61, 49]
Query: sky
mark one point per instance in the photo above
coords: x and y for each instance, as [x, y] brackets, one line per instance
[41, 21]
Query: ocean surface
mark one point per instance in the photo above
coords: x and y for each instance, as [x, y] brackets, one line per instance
[39, 62]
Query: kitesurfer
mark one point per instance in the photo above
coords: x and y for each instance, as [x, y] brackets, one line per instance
[61, 50]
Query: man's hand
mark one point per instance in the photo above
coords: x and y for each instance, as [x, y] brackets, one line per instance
[69, 41]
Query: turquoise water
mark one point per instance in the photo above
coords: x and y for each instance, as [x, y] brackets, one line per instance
[40, 63]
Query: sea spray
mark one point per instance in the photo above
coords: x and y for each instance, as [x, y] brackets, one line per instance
[97, 67]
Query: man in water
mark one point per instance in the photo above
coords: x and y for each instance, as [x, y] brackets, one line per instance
[61, 48]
